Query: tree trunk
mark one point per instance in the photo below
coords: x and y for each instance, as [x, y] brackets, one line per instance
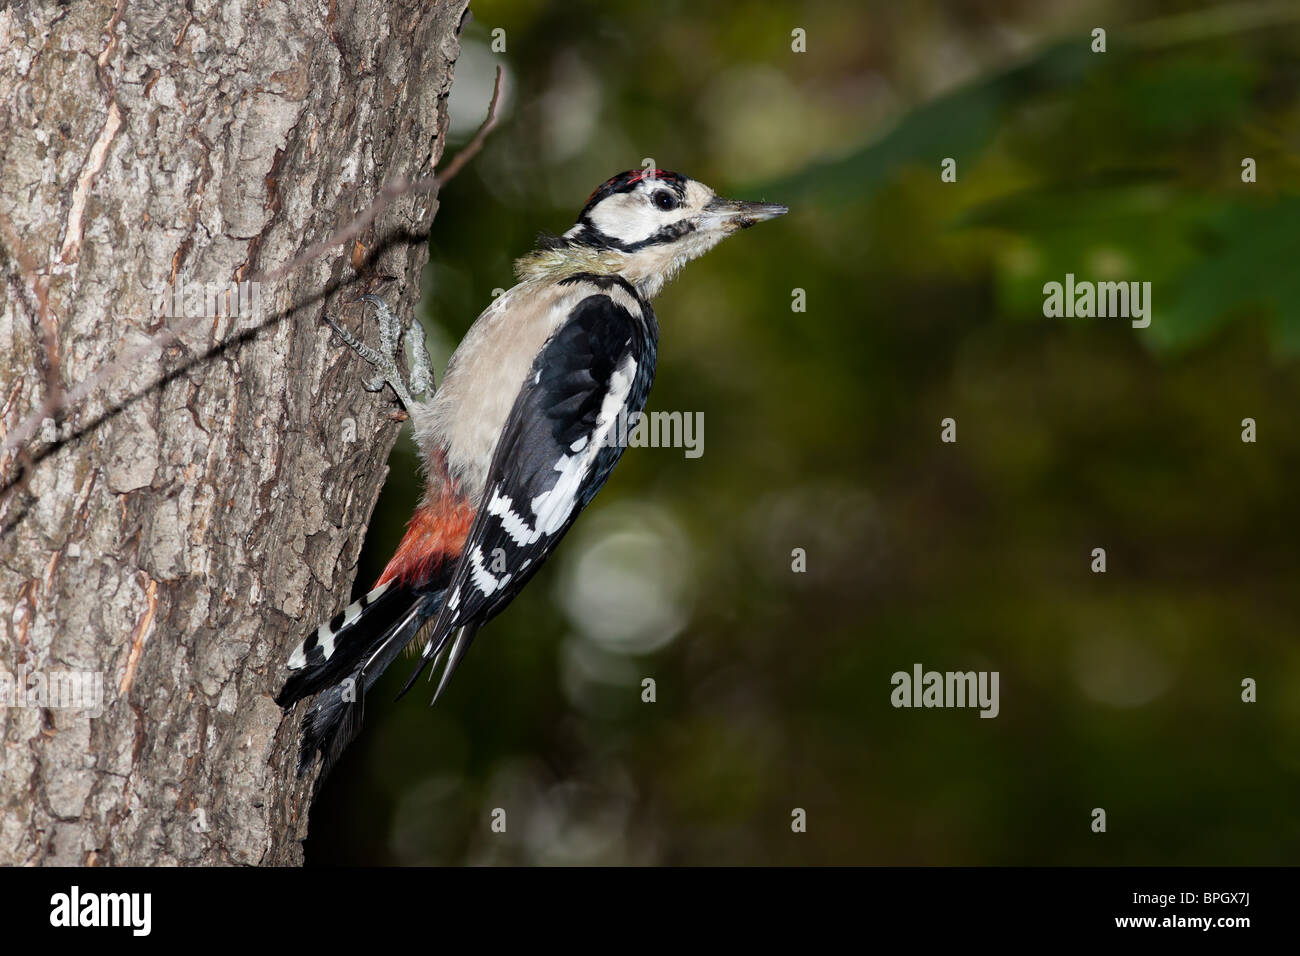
[182, 528]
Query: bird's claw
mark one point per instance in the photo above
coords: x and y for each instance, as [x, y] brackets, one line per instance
[384, 359]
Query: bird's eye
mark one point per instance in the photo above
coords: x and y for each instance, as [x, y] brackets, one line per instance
[665, 200]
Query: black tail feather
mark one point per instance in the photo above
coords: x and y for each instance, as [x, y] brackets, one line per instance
[336, 648]
[342, 661]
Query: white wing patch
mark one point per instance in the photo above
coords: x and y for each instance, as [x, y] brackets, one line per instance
[503, 507]
[483, 579]
[552, 508]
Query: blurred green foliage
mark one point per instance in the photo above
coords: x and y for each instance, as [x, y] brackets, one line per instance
[924, 301]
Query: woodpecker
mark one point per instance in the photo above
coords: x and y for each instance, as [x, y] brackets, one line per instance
[516, 440]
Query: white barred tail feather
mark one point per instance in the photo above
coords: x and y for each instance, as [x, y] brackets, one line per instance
[341, 661]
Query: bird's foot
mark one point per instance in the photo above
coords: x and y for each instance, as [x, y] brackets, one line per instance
[385, 359]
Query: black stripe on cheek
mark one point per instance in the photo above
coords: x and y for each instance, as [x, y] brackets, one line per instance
[667, 234]
[589, 235]
[593, 238]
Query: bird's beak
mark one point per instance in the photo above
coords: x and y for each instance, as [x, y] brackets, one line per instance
[732, 214]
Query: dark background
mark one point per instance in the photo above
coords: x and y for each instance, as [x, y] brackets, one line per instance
[924, 301]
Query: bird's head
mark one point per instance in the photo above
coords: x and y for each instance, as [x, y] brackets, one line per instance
[645, 224]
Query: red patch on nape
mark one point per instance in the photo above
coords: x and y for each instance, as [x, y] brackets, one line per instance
[436, 534]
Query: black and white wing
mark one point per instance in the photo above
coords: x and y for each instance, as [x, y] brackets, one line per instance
[563, 436]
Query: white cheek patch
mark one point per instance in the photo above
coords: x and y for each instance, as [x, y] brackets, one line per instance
[629, 218]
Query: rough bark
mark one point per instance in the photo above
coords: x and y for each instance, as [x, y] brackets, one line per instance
[184, 526]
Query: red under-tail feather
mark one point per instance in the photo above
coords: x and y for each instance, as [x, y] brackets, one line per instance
[436, 533]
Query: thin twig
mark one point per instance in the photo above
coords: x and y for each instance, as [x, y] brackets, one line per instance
[57, 400]
[471, 148]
